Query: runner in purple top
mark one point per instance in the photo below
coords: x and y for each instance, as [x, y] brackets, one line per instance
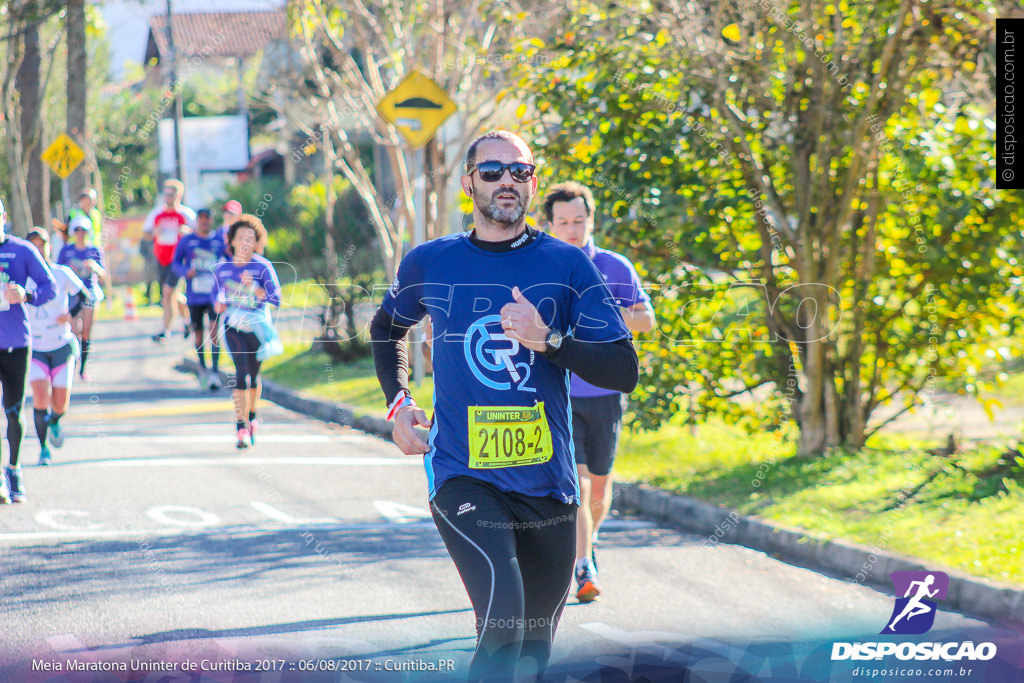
[19, 262]
[194, 259]
[596, 412]
[88, 264]
[242, 289]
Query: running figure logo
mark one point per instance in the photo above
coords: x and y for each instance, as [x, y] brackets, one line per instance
[914, 613]
[490, 353]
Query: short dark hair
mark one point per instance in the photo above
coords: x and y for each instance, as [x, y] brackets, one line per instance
[39, 234]
[566, 192]
[493, 135]
[247, 220]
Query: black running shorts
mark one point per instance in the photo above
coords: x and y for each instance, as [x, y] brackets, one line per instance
[596, 424]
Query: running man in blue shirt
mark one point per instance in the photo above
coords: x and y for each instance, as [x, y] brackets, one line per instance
[513, 311]
[19, 262]
[596, 412]
[194, 259]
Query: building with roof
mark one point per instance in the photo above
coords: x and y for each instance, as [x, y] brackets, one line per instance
[212, 40]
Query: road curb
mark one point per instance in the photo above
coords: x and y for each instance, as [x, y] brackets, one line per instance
[849, 560]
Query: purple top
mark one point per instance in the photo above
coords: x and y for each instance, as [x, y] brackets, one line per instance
[627, 290]
[201, 254]
[228, 288]
[75, 258]
[19, 261]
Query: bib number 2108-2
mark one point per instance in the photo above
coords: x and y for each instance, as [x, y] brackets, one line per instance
[508, 436]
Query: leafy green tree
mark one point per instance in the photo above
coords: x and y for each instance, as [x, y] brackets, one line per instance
[808, 185]
[355, 53]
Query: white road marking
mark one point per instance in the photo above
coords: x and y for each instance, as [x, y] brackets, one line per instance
[47, 518]
[199, 461]
[279, 516]
[173, 531]
[220, 437]
[400, 513]
[175, 527]
[162, 514]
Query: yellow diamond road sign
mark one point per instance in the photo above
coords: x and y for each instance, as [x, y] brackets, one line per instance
[63, 156]
[417, 107]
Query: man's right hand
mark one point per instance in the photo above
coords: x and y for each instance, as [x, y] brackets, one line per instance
[404, 431]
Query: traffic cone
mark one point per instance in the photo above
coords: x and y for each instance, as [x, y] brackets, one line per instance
[129, 307]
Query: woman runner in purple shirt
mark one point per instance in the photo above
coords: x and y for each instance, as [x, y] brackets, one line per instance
[243, 287]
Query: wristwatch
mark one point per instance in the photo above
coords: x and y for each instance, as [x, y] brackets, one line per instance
[553, 342]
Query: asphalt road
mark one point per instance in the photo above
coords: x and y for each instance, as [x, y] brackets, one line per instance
[151, 538]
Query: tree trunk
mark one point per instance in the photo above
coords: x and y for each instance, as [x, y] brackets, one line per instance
[28, 86]
[76, 87]
[17, 204]
[334, 309]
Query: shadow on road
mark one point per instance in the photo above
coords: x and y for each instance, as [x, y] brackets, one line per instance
[258, 560]
[272, 629]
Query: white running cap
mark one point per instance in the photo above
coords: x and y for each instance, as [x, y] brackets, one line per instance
[80, 223]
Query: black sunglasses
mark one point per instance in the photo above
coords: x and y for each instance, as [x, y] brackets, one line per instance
[492, 171]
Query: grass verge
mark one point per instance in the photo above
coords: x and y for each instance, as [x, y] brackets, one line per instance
[961, 511]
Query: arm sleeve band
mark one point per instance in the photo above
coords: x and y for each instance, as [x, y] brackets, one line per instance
[390, 354]
[609, 365]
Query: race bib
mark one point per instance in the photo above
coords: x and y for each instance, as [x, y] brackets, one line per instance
[4, 304]
[81, 270]
[167, 232]
[168, 235]
[508, 436]
[202, 283]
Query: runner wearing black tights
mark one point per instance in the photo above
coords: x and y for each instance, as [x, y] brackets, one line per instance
[513, 311]
[19, 263]
[243, 289]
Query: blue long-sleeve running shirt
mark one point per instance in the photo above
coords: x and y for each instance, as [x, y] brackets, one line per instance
[501, 410]
[20, 261]
[200, 254]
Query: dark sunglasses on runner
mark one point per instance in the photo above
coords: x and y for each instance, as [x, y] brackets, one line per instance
[492, 171]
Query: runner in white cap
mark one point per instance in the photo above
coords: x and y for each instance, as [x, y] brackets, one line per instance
[87, 263]
[54, 349]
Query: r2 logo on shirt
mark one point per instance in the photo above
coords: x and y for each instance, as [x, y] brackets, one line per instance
[490, 356]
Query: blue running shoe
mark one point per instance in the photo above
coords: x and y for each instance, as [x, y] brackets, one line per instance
[44, 457]
[14, 485]
[55, 435]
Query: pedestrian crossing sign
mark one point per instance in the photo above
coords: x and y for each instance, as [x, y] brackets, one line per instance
[63, 156]
[417, 107]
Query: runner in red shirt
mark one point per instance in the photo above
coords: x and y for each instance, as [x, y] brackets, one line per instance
[164, 227]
